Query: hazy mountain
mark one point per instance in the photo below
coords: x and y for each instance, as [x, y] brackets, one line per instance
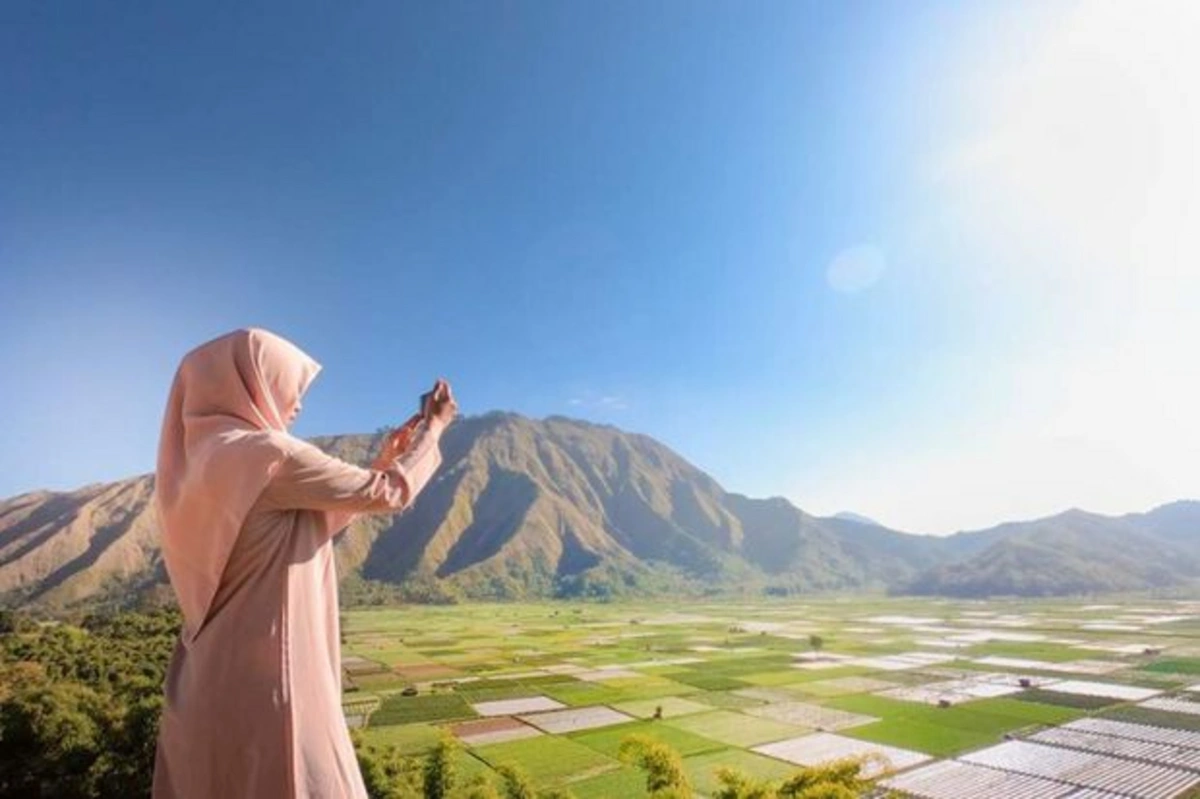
[849, 516]
[558, 506]
[1073, 552]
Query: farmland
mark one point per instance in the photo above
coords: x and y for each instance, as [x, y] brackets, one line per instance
[1053, 698]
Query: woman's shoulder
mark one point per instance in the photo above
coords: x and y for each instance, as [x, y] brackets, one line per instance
[288, 445]
[301, 453]
[279, 443]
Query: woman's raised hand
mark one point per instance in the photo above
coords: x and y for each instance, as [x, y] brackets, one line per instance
[397, 442]
[438, 407]
[439, 404]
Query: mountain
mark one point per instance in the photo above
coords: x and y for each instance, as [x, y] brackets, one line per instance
[1072, 553]
[856, 517]
[526, 507]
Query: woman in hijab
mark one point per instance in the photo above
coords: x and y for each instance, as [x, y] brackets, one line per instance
[248, 514]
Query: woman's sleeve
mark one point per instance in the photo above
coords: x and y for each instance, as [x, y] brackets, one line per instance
[309, 479]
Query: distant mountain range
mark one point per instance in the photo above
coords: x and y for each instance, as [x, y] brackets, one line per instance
[525, 508]
[856, 517]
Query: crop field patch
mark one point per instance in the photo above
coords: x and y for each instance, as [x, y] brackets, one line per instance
[841, 686]
[1047, 696]
[1175, 666]
[724, 699]
[735, 729]
[666, 707]
[802, 714]
[951, 779]
[382, 681]
[550, 760]
[476, 696]
[1138, 714]
[626, 783]
[493, 730]
[702, 769]
[788, 676]
[765, 695]
[1173, 705]
[511, 707]
[409, 739]
[1166, 754]
[1124, 693]
[955, 692]
[1189, 739]
[1086, 769]
[357, 665]
[1073, 667]
[608, 673]
[824, 747]
[424, 672]
[923, 736]
[608, 741]
[708, 681]
[397, 709]
[575, 719]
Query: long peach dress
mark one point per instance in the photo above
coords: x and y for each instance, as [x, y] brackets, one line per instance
[253, 691]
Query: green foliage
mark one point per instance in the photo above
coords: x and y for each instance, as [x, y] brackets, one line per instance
[14, 621]
[841, 779]
[665, 777]
[608, 581]
[516, 784]
[385, 773]
[480, 787]
[54, 741]
[79, 706]
[388, 775]
[354, 590]
[736, 785]
[439, 770]
[815, 642]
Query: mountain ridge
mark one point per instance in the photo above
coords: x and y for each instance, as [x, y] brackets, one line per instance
[558, 506]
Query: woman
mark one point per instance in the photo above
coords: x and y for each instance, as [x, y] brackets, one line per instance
[248, 514]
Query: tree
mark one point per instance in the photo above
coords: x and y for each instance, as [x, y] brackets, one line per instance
[439, 770]
[480, 787]
[841, 779]
[736, 785]
[385, 773]
[816, 642]
[665, 776]
[14, 621]
[54, 741]
[515, 783]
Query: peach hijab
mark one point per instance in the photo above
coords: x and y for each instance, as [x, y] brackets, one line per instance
[223, 435]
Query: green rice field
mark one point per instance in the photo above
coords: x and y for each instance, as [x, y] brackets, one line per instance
[554, 687]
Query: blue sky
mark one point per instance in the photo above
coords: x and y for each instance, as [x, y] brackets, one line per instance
[929, 262]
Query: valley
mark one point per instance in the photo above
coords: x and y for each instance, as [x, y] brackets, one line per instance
[1044, 698]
